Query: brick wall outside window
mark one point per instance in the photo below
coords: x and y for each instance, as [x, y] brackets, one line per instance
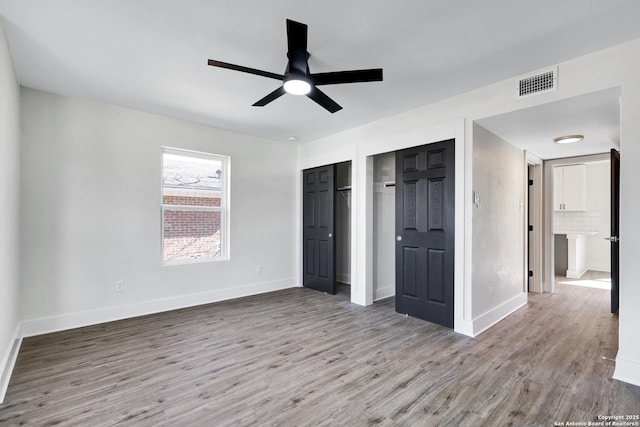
[191, 234]
[191, 201]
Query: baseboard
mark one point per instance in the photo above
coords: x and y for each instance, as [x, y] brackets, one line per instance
[627, 371]
[383, 292]
[493, 316]
[343, 278]
[92, 317]
[575, 274]
[464, 327]
[8, 362]
[606, 268]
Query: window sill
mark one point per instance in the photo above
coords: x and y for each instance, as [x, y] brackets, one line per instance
[194, 261]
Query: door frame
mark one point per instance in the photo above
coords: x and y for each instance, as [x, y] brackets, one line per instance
[533, 248]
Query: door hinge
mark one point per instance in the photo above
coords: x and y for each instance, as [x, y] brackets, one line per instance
[530, 182]
[531, 228]
[530, 273]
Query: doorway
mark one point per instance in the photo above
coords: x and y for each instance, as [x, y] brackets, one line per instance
[342, 207]
[581, 216]
[384, 220]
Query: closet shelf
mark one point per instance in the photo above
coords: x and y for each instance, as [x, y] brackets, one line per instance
[345, 188]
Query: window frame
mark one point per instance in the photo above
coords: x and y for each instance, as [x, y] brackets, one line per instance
[225, 161]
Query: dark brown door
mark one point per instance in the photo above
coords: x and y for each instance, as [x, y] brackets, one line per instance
[425, 191]
[317, 222]
[615, 230]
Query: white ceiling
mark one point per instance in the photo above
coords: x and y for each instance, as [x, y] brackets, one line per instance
[596, 116]
[152, 55]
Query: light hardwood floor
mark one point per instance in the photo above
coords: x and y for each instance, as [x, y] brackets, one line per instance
[302, 358]
[590, 279]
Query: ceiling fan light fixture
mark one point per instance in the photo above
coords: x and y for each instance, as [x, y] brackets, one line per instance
[568, 139]
[297, 86]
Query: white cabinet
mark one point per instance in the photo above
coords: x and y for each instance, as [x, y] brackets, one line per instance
[570, 188]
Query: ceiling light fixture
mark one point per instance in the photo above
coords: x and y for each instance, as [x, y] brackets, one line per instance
[297, 86]
[568, 139]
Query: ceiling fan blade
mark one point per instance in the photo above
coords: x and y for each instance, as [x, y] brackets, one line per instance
[354, 76]
[296, 36]
[221, 64]
[271, 97]
[323, 100]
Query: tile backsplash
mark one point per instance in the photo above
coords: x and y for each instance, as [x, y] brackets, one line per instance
[577, 221]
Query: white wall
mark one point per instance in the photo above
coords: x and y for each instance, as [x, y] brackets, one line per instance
[384, 226]
[628, 358]
[599, 201]
[91, 214]
[9, 210]
[618, 66]
[499, 182]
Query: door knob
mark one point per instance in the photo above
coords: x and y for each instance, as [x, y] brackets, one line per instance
[330, 235]
[399, 238]
[612, 239]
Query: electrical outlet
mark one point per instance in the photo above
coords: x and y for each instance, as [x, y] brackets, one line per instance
[119, 285]
[259, 269]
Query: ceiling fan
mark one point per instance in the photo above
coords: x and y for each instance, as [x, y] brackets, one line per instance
[297, 79]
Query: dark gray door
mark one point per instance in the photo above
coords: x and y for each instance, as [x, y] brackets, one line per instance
[317, 222]
[615, 230]
[425, 191]
[529, 229]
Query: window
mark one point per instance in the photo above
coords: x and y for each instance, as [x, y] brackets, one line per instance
[194, 206]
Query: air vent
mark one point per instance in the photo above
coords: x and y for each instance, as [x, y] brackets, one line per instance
[538, 83]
